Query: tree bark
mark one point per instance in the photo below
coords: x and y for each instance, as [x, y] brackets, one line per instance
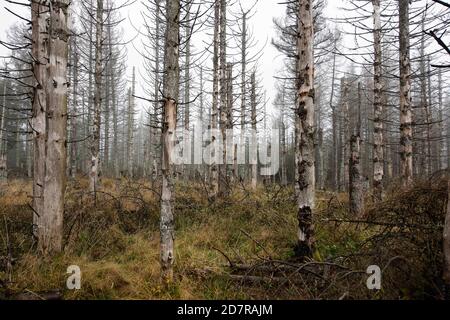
[3, 153]
[406, 160]
[214, 183]
[446, 244]
[51, 220]
[356, 188]
[378, 143]
[304, 127]
[223, 172]
[95, 134]
[253, 150]
[39, 15]
[171, 92]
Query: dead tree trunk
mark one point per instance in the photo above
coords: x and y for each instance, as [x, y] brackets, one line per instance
[130, 126]
[214, 183]
[73, 120]
[223, 172]
[3, 153]
[51, 219]
[95, 134]
[406, 154]
[356, 188]
[171, 92]
[346, 131]
[253, 150]
[304, 127]
[243, 83]
[39, 15]
[378, 144]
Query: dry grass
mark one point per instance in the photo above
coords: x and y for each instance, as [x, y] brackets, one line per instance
[114, 239]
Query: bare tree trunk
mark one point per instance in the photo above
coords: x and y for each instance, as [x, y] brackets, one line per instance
[95, 139]
[446, 245]
[39, 15]
[406, 152]
[319, 150]
[130, 126]
[51, 220]
[229, 126]
[334, 158]
[156, 135]
[253, 150]
[115, 120]
[378, 143]
[214, 183]
[243, 82]
[3, 153]
[187, 86]
[223, 172]
[304, 127]
[73, 120]
[440, 119]
[345, 131]
[171, 91]
[356, 188]
[432, 136]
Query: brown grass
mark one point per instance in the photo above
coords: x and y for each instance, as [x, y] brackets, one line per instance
[115, 241]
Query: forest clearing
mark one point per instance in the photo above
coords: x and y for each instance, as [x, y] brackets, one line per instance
[224, 150]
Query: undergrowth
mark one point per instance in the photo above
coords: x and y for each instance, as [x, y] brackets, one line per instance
[114, 239]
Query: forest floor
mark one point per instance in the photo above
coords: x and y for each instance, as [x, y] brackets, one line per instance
[241, 247]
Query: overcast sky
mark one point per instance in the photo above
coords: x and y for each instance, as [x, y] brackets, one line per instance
[261, 24]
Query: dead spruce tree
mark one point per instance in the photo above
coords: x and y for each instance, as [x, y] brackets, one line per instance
[50, 49]
[406, 151]
[39, 14]
[304, 128]
[214, 176]
[378, 144]
[171, 92]
[356, 192]
[95, 134]
[51, 221]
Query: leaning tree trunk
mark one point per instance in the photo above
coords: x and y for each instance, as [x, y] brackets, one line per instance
[171, 91]
[406, 151]
[51, 219]
[95, 138]
[39, 15]
[304, 127]
[378, 144]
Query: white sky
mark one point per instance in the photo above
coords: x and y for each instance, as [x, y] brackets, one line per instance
[261, 23]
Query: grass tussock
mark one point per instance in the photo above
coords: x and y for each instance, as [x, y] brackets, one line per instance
[114, 239]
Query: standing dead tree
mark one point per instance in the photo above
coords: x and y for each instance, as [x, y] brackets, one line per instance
[304, 128]
[171, 92]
